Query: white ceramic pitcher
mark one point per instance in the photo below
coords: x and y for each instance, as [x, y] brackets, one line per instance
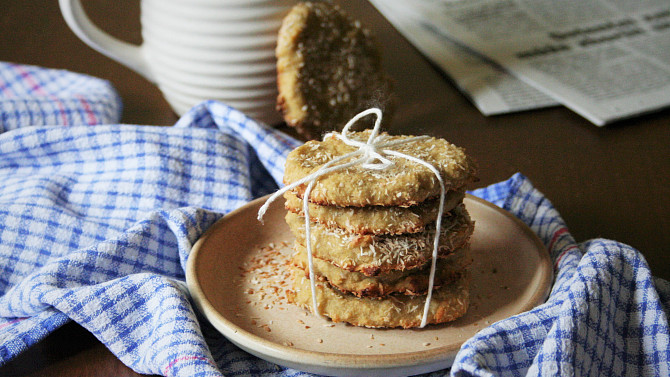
[196, 50]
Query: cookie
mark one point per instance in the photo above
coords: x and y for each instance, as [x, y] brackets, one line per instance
[328, 69]
[408, 282]
[376, 219]
[448, 303]
[375, 254]
[405, 183]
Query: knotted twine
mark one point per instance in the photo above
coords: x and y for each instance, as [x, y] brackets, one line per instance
[371, 155]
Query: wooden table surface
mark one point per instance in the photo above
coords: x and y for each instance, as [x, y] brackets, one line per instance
[609, 182]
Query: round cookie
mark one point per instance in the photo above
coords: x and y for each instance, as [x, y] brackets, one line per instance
[328, 69]
[376, 219]
[405, 183]
[375, 254]
[448, 303]
[408, 282]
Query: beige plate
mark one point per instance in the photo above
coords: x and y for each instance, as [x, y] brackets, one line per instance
[511, 273]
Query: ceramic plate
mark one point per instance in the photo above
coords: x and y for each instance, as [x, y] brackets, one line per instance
[236, 276]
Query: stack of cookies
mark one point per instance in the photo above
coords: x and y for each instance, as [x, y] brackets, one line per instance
[372, 233]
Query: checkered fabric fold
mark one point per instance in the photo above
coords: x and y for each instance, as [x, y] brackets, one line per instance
[606, 314]
[36, 96]
[96, 225]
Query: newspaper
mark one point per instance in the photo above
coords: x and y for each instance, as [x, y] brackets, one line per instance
[605, 59]
[489, 87]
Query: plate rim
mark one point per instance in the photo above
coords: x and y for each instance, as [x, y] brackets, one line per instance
[338, 361]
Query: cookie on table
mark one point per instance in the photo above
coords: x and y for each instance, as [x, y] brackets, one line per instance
[407, 282]
[448, 303]
[328, 69]
[375, 254]
[376, 219]
[404, 184]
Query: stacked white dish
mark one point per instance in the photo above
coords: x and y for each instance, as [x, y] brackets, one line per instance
[197, 50]
[200, 49]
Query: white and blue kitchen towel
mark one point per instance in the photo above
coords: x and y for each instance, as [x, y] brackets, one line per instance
[96, 224]
[36, 96]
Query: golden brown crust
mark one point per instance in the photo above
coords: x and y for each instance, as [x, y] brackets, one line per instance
[375, 254]
[376, 219]
[448, 303]
[405, 183]
[328, 69]
[408, 282]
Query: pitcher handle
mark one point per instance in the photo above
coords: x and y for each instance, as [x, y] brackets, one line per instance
[125, 53]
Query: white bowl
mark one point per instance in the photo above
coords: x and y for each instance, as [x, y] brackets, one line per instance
[210, 26]
[242, 105]
[231, 12]
[256, 110]
[214, 56]
[249, 93]
[217, 81]
[196, 44]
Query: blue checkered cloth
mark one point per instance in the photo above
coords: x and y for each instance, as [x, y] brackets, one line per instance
[36, 96]
[96, 224]
[606, 314]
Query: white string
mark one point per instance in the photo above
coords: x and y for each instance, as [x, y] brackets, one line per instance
[436, 241]
[371, 155]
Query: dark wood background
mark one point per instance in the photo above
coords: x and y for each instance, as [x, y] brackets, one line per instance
[609, 182]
